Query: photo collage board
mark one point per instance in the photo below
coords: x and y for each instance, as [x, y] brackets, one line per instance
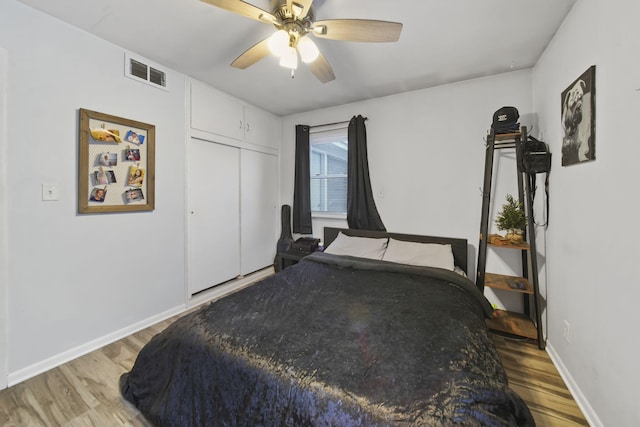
[116, 164]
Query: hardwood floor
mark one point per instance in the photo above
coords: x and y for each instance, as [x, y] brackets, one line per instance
[535, 378]
[84, 392]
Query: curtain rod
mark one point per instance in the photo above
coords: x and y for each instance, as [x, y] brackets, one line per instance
[333, 124]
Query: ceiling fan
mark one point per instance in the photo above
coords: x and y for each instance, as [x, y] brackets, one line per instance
[294, 20]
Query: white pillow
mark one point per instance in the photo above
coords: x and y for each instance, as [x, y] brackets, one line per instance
[363, 247]
[460, 271]
[422, 254]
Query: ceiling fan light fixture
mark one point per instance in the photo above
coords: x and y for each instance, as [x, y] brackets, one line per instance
[279, 43]
[308, 50]
[295, 19]
[289, 58]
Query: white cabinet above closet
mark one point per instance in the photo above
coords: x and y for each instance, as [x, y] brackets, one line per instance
[261, 128]
[215, 112]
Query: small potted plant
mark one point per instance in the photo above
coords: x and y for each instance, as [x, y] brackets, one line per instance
[512, 219]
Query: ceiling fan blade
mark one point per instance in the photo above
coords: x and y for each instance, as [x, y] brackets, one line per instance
[358, 30]
[244, 9]
[322, 70]
[252, 55]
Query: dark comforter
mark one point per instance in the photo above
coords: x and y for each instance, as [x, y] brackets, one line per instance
[331, 341]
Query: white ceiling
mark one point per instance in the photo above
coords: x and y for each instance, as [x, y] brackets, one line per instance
[442, 41]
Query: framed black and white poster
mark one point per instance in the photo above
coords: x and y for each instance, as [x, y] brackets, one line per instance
[579, 119]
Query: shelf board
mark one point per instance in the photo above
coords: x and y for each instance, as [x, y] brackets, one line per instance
[512, 323]
[506, 136]
[501, 281]
[498, 241]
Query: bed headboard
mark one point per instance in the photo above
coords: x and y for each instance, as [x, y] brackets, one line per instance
[458, 246]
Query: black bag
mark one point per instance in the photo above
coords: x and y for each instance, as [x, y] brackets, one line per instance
[535, 158]
[305, 244]
[505, 120]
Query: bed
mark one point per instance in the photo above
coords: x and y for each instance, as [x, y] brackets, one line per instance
[360, 335]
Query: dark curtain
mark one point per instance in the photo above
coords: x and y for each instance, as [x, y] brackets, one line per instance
[302, 186]
[361, 208]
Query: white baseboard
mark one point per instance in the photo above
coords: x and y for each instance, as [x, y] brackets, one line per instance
[225, 289]
[578, 396]
[81, 350]
[66, 356]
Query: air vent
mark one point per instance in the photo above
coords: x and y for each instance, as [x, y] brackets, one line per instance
[138, 69]
[141, 71]
[157, 77]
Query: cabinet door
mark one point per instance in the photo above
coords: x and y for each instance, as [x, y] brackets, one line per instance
[262, 128]
[214, 214]
[213, 111]
[259, 210]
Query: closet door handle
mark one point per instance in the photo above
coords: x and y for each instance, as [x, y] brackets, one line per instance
[240, 125]
[248, 127]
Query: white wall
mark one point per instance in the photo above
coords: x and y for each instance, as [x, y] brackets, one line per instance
[77, 278]
[426, 153]
[592, 239]
[4, 226]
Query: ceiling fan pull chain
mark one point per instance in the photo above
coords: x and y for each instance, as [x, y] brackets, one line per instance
[293, 73]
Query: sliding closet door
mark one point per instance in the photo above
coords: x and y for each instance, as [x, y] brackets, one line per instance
[214, 214]
[259, 210]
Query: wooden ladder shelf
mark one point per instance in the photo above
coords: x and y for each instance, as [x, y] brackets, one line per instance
[527, 324]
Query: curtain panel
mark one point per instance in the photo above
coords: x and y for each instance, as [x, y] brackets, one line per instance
[302, 185]
[362, 213]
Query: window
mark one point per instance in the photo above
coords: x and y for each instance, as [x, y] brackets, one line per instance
[328, 171]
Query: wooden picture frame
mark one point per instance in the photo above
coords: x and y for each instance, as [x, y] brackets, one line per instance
[116, 164]
[578, 115]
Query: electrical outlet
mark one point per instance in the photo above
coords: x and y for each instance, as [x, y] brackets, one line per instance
[566, 331]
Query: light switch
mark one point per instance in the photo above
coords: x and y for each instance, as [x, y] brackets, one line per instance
[49, 192]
